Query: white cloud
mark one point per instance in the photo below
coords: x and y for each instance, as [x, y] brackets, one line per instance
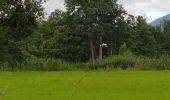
[150, 8]
[146, 5]
[51, 5]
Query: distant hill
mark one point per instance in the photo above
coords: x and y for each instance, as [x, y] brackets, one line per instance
[160, 20]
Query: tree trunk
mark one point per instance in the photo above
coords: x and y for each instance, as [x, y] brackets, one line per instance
[111, 48]
[92, 53]
[101, 49]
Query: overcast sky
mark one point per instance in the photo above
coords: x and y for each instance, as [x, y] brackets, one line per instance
[150, 8]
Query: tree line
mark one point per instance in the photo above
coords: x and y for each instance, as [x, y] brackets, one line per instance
[75, 35]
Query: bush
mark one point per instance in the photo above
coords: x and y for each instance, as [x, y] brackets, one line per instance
[117, 61]
[123, 62]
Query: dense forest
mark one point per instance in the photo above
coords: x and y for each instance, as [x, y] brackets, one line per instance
[74, 37]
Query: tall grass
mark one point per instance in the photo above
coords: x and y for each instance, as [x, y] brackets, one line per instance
[123, 61]
[117, 61]
[133, 62]
[161, 63]
[41, 64]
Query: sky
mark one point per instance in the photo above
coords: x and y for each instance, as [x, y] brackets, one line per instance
[152, 9]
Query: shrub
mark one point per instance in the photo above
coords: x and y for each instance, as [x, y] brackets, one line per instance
[117, 61]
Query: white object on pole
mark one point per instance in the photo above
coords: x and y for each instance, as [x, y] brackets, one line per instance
[103, 45]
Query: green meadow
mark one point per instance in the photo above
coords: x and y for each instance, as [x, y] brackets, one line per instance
[115, 85]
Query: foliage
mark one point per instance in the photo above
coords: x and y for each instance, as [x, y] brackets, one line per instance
[84, 23]
[74, 36]
[166, 37]
[142, 41]
[18, 19]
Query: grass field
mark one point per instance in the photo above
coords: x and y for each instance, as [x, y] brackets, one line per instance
[116, 85]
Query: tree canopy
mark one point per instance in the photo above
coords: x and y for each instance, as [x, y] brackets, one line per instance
[75, 35]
